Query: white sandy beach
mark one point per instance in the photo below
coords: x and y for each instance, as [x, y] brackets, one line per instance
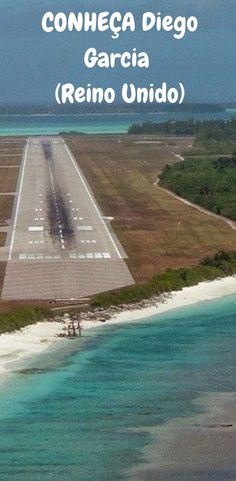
[39, 337]
[27, 342]
[189, 295]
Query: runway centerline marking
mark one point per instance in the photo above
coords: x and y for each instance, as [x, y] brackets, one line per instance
[57, 210]
[35, 270]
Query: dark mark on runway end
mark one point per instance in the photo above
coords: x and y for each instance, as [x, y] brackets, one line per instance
[61, 228]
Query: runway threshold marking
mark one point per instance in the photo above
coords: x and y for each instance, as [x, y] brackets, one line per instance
[73, 255]
[18, 201]
[92, 200]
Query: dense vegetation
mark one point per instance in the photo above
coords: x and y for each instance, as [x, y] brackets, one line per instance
[221, 265]
[206, 181]
[204, 130]
[18, 318]
[184, 127]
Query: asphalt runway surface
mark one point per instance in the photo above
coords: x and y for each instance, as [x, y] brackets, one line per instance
[59, 246]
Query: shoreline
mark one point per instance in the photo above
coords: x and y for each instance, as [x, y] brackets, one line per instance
[37, 338]
[27, 342]
[202, 292]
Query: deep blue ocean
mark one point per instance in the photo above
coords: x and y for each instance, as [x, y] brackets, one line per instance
[94, 123]
[75, 412]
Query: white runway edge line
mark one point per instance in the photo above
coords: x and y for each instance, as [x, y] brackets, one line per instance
[18, 201]
[92, 200]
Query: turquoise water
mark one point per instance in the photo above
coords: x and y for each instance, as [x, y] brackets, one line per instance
[76, 413]
[93, 123]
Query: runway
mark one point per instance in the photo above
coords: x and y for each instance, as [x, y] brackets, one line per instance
[59, 246]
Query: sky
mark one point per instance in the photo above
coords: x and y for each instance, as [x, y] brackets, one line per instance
[33, 62]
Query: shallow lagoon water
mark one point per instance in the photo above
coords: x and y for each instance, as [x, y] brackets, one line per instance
[94, 123]
[85, 411]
